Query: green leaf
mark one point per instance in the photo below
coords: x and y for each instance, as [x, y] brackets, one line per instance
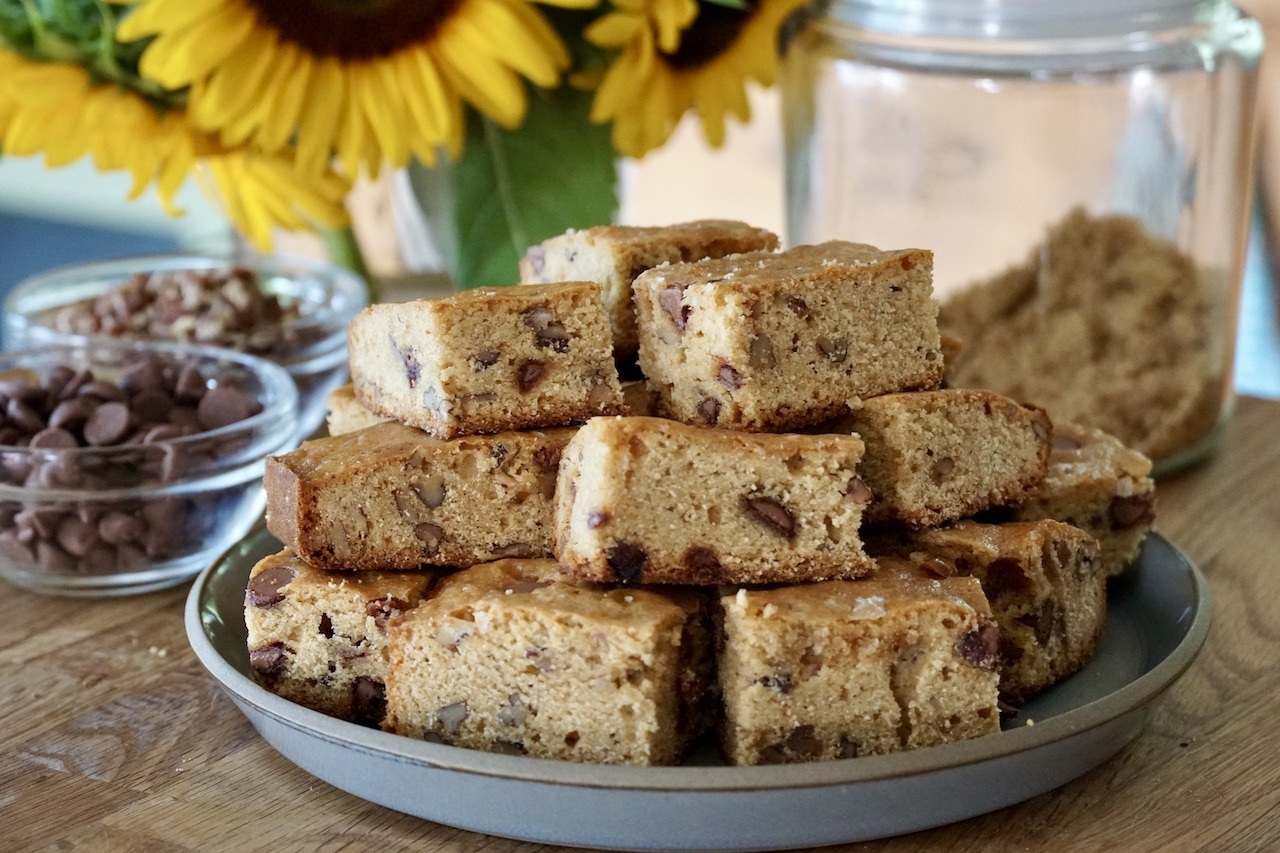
[513, 188]
[741, 5]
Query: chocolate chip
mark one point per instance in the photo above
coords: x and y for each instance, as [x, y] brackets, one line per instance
[761, 353]
[798, 307]
[598, 519]
[627, 562]
[71, 414]
[76, 536]
[709, 410]
[384, 609]
[803, 742]
[980, 647]
[507, 747]
[1132, 510]
[118, 528]
[670, 299]
[191, 384]
[264, 587]
[326, 626]
[108, 424]
[779, 682]
[103, 391]
[368, 700]
[529, 374]
[836, 350]
[1042, 621]
[52, 438]
[224, 405]
[847, 748]
[704, 565]
[856, 491]
[1041, 429]
[452, 716]
[729, 377]
[771, 514]
[269, 661]
[485, 358]
[25, 416]
[1006, 574]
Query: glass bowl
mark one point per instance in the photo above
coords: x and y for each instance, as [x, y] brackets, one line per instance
[135, 513]
[309, 340]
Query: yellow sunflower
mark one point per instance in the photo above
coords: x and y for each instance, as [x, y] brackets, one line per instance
[369, 80]
[651, 83]
[57, 110]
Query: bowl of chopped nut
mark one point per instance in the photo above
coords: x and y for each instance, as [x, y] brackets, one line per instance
[289, 310]
[126, 466]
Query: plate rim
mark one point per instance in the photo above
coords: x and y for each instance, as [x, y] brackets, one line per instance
[1104, 710]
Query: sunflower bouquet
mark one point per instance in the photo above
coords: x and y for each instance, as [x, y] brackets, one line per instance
[513, 112]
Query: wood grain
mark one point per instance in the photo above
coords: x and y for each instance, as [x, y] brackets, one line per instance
[112, 738]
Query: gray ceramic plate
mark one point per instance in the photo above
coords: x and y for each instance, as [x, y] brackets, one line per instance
[1158, 619]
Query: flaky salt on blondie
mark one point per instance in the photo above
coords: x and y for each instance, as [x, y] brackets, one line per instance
[509, 657]
[487, 360]
[646, 500]
[897, 660]
[614, 255]
[936, 456]
[1099, 485]
[392, 497]
[1044, 584]
[775, 341]
[320, 638]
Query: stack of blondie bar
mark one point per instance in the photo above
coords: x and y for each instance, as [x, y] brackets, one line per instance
[787, 531]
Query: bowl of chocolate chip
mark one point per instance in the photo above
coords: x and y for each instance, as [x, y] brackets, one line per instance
[127, 466]
[288, 310]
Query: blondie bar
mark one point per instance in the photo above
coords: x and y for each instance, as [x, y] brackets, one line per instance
[936, 456]
[645, 500]
[771, 342]
[1043, 582]
[614, 255]
[897, 660]
[1099, 485]
[392, 497]
[319, 638]
[508, 657]
[487, 360]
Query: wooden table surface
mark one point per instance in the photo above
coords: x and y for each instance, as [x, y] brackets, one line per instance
[112, 737]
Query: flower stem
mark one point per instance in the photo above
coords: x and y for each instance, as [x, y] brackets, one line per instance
[345, 251]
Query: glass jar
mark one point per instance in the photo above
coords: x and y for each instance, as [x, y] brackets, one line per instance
[1082, 172]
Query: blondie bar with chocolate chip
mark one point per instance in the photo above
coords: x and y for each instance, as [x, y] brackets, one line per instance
[392, 497]
[768, 342]
[320, 638]
[1043, 580]
[487, 360]
[937, 456]
[1099, 485]
[510, 657]
[897, 660]
[614, 255]
[644, 500]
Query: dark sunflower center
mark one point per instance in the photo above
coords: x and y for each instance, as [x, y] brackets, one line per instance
[355, 29]
[712, 33]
